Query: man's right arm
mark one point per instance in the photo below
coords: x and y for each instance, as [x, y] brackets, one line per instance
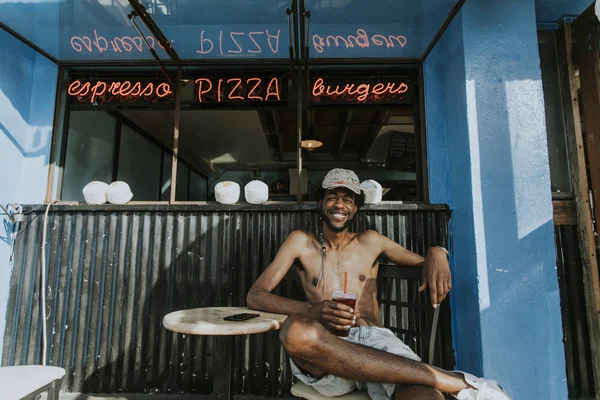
[333, 315]
[260, 297]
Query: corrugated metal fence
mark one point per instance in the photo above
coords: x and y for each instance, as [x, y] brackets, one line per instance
[113, 274]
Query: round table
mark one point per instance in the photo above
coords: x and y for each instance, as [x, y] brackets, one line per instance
[209, 322]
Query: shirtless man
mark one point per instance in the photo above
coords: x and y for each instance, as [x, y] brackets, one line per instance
[371, 357]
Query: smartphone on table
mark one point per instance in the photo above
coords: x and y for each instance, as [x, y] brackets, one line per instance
[241, 317]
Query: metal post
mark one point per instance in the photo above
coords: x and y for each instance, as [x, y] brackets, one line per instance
[177, 88]
[56, 136]
[299, 111]
[301, 95]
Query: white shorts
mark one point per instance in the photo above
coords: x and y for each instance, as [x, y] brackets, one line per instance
[370, 336]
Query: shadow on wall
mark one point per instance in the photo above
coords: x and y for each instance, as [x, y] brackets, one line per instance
[506, 290]
[112, 278]
[194, 269]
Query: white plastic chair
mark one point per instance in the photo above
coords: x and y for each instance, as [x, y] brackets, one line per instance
[26, 382]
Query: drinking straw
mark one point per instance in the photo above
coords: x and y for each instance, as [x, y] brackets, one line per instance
[345, 282]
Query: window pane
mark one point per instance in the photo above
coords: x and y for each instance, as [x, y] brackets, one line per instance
[90, 151]
[156, 127]
[183, 174]
[139, 164]
[198, 186]
[557, 147]
[258, 140]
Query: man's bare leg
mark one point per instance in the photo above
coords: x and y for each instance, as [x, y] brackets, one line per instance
[412, 392]
[319, 352]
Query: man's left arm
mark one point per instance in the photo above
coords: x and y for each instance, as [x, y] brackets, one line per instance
[436, 270]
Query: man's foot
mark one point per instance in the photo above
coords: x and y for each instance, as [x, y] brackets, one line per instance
[481, 389]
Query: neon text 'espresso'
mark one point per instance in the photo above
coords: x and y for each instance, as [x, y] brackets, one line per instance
[116, 44]
[237, 89]
[216, 43]
[122, 90]
[361, 92]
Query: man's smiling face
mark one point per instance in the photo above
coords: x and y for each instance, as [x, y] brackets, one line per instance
[338, 208]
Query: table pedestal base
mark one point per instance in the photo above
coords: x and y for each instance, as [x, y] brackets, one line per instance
[223, 367]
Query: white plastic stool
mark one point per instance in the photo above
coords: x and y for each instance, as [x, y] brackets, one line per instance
[26, 382]
[227, 192]
[373, 191]
[300, 389]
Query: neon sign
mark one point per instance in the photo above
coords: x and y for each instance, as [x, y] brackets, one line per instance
[240, 42]
[238, 89]
[102, 91]
[222, 42]
[245, 89]
[208, 90]
[361, 40]
[361, 92]
[117, 44]
[261, 40]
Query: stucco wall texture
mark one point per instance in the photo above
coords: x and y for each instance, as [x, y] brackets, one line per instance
[488, 159]
[27, 92]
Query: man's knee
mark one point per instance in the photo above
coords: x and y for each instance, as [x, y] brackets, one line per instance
[416, 392]
[300, 334]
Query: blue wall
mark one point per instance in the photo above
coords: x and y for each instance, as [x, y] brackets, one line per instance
[450, 182]
[27, 91]
[488, 117]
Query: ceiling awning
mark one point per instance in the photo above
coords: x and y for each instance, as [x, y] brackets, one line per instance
[101, 30]
[90, 30]
[375, 29]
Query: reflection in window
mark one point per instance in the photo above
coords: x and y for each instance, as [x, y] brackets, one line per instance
[165, 183]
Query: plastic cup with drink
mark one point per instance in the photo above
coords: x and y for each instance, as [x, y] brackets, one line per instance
[348, 299]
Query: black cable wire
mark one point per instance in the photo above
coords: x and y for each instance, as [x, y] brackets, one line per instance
[27, 225]
[27, 212]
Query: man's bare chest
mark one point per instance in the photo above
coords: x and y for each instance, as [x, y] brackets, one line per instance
[358, 263]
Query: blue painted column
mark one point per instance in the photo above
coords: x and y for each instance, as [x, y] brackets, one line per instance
[489, 160]
[27, 92]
